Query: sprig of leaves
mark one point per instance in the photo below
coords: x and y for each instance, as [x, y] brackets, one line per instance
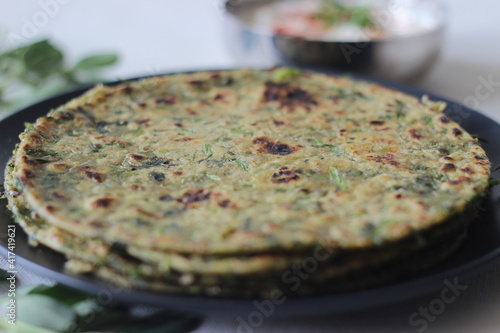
[59, 309]
[39, 69]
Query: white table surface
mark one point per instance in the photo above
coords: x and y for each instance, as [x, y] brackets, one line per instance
[170, 35]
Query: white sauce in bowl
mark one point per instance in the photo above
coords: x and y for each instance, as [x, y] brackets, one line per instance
[393, 19]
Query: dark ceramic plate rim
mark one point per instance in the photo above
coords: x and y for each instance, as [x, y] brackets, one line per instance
[49, 263]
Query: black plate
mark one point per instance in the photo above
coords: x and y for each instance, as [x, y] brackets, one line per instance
[480, 248]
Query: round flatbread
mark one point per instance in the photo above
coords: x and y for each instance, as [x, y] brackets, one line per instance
[240, 174]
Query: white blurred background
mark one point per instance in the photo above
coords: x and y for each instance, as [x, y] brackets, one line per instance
[158, 36]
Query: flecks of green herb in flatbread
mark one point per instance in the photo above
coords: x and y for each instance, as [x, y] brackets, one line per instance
[319, 144]
[338, 182]
[140, 131]
[400, 110]
[207, 149]
[239, 130]
[211, 176]
[242, 164]
[286, 73]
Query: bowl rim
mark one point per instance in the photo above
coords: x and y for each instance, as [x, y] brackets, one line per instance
[441, 10]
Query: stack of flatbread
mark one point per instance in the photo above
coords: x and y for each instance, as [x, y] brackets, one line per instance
[243, 182]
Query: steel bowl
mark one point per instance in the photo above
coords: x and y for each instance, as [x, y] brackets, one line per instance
[400, 58]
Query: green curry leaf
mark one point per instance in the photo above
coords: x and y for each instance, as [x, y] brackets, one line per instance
[97, 61]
